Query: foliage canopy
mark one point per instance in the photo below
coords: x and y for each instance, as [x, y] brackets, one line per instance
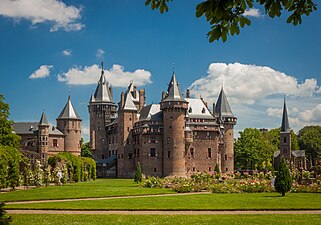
[226, 17]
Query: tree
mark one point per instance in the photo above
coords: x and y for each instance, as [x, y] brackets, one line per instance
[85, 149]
[226, 17]
[309, 138]
[283, 180]
[252, 151]
[4, 219]
[138, 174]
[217, 168]
[7, 136]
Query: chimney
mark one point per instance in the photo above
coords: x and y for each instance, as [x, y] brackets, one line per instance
[141, 98]
[122, 100]
[163, 95]
[213, 109]
[188, 93]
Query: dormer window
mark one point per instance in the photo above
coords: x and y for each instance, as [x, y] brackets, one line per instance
[190, 109]
[203, 110]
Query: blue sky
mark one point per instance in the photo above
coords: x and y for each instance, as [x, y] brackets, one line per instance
[47, 46]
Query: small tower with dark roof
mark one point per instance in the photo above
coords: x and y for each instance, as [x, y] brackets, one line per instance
[174, 108]
[69, 123]
[285, 135]
[43, 136]
[227, 121]
[102, 112]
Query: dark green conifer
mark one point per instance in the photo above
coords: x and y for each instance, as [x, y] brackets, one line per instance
[283, 180]
[138, 174]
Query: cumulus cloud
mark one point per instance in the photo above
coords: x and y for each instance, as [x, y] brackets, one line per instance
[117, 76]
[67, 52]
[42, 72]
[252, 13]
[250, 83]
[42, 11]
[312, 115]
[100, 53]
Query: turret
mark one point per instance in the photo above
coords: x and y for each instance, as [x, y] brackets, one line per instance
[285, 135]
[102, 112]
[69, 123]
[174, 108]
[227, 120]
[43, 135]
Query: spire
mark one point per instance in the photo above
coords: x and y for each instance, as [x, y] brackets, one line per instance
[102, 93]
[173, 92]
[222, 107]
[285, 120]
[43, 119]
[69, 111]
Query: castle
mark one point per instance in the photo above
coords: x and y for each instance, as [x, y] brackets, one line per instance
[42, 139]
[177, 137]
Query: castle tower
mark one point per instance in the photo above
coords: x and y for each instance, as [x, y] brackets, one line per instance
[127, 116]
[227, 121]
[174, 108]
[102, 112]
[69, 123]
[43, 136]
[285, 135]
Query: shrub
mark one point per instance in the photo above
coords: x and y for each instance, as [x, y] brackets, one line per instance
[4, 219]
[138, 174]
[283, 180]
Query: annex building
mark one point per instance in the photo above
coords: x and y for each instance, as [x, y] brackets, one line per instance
[177, 137]
[42, 139]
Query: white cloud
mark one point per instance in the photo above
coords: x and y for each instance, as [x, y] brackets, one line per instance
[67, 52]
[100, 53]
[42, 11]
[42, 72]
[250, 83]
[252, 13]
[312, 115]
[116, 76]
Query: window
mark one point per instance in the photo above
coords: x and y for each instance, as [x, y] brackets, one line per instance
[152, 152]
[209, 153]
[127, 128]
[193, 169]
[154, 170]
[130, 155]
[168, 154]
[102, 156]
[225, 157]
[137, 151]
[284, 140]
[192, 152]
[210, 169]
[168, 140]
[55, 142]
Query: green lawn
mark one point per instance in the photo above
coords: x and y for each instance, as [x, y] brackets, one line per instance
[166, 219]
[249, 201]
[98, 188]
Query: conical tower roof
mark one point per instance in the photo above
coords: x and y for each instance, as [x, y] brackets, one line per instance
[173, 92]
[222, 107]
[43, 120]
[69, 111]
[285, 127]
[102, 93]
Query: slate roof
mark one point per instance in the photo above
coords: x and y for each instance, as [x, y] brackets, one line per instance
[222, 107]
[69, 111]
[32, 127]
[129, 103]
[43, 119]
[285, 127]
[133, 92]
[102, 93]
[197, 109]
[151, 112]
[173, 92]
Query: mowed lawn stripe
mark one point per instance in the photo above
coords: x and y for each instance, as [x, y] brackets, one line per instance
[247, 201]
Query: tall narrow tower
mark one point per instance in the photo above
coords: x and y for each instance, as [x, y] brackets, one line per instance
[69, 123]
[174, 108]
[285, 135]
[227, 121]
[43, 136]
[102, 111]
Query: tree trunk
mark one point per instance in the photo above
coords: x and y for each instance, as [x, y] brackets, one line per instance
[283, 193]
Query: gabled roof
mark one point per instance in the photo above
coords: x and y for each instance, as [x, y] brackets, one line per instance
[32, 127]
[285, 127]
[129, 104]
[69, 111]
[173, 92]
[102, 93]
[222, 107]
[151, 112]
[43, 120]
[197, 109]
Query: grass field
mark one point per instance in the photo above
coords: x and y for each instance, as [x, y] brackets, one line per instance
[168, 219]
[247, 201]
[98, 188]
